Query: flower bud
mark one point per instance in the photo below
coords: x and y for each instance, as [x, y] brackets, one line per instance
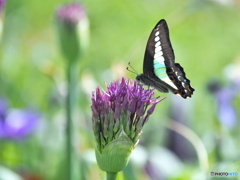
[2, 4]
[72, 26]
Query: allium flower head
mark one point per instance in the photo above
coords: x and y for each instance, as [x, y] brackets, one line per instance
[118, 116]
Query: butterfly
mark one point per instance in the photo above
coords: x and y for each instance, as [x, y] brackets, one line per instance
[159, 68]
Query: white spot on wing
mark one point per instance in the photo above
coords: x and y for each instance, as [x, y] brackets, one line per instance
[159, 48]
[157, 44]
[157, 38]
[160, 53]
[183, 84]
[171, 84]
[180, 78]
[160, 59]
[157, 33]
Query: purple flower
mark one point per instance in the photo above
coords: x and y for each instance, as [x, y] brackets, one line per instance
[15, 123]
[3, 109]
[226, 111]
[118, 116]
[73, 30]
[224, 97]
[2, 4]
[124, 103]
[71, 13]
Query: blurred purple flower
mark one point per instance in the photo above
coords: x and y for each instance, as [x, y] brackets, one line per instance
[226, 111]
[3, 109]
[71, 13]
[2, 4]
[15, 123]
[224, 97]
[73, 30]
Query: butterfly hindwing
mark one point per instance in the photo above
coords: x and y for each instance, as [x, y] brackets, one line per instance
[159, 67]
[178, 77]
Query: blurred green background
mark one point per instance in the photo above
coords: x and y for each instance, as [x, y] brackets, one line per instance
[205, 36]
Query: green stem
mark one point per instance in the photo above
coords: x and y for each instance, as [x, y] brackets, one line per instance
[194, 139]
[69, 127]
[111, 175]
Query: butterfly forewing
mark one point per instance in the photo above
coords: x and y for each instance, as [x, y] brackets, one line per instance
[158, 47]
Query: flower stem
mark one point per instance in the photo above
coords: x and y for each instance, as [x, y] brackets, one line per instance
[69, 127]
[194, 139]
[111, 175]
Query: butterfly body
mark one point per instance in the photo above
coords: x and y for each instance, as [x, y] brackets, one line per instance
[159, 68]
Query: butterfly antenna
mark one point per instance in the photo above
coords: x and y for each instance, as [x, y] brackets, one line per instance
[133, 70]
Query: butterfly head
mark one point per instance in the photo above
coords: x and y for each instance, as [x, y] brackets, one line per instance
[139, 77]
[144, 79]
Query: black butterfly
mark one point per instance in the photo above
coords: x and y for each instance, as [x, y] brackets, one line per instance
[159, 68]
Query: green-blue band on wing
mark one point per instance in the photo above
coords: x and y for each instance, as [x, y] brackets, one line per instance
[160, 71]
[162, 76]
[158, 65]
[158, 60]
